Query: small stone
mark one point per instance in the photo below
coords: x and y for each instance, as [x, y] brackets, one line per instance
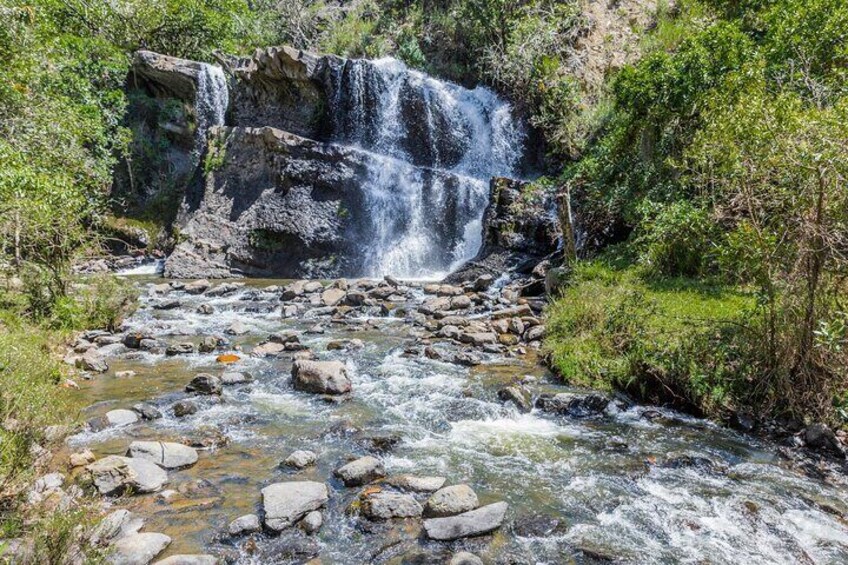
[300, 459]
[517, 395]
[322, 377]
[237, 328]
[312, 522]
[147, 411]
[185, 348]
[246, 524]
[81, 458]
[184, 408]
[93, 360]
[535, 333]
[205, 309]
[125, 374]
[361, 471]
[235, 378]
[197, 287]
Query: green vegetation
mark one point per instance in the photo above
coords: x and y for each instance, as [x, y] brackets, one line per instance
[724, 154]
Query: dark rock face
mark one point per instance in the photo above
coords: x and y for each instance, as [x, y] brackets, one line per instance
[279, 205]
[519, 230]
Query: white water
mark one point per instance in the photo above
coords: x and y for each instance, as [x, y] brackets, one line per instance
[425, 221]
[212, 101]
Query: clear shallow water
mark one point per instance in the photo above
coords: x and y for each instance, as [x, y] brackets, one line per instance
[614, 486]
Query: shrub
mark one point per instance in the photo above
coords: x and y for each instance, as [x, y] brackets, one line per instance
[677, 239]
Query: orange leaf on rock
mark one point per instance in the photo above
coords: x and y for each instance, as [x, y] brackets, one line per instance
[227, 358]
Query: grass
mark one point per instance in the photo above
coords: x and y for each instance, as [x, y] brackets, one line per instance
[673, 340]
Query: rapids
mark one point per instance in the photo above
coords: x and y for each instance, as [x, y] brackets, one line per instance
[671, 489]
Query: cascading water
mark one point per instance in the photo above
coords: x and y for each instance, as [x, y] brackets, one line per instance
[211, 102]
[433, 147]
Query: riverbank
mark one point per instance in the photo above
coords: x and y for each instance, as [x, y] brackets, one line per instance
[444, 386]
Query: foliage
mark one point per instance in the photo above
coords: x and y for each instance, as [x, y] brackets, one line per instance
[676, 239]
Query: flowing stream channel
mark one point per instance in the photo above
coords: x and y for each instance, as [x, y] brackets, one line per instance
[632, 484]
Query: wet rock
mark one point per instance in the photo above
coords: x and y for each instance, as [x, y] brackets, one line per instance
[300, 459]
[210, 343]
[153, 346]
[205, 309]
[474, 523]
[224, 289]
[165, 454]
[246, 524]
[466, 359]
[483, 283]
[237, 328]
[183, 559]
[434, 305]
[450, 332]
[345, 344]
[184, 408]
[517, 395]
[167, 305]
[514, 312]
[138, 549]
[684, 461]
[321, 377]
[293, 290]
[478, 339]
[312, 522]
[94, 361]
[465, 558]
[432, 353]
[185, 348]
[114, 474]
[536, 526]
[507, 339]
[286, 503]
[235, 378]
[535, 333]
[124, 374]
[416, 484]
[291, 311]
[379, 442]
[449, 290]
[460, 302]
[574, 405]
[204, 383]
[742, 421]
[133, 339]
[820, 437]
[268, 349]
[197, 287]
[451, 500]
[388, 505]
[147, 411]
[361, 471]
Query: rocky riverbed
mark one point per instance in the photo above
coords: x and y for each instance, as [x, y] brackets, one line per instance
[395, 422]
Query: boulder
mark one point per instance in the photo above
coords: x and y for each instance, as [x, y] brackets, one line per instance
[147, 411]
[514, 312]
[118, 523]
[268, 349]
[204, 383]
[286, 503]
[478, 339]
[387, 505]
[185, 348]
[121, 417]
[138, 549]
[361, 471]
[332, 296]
[322, 377]
[93, 360]
[517, 395]
[165, 454]
[468, 524]
[821, 437]
[534, 333]
[237, 328]
[197, 287]
[451, 500]
[246, 524]
[114, 474]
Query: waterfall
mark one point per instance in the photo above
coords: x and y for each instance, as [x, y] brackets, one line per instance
[211, 102]
[432, 148]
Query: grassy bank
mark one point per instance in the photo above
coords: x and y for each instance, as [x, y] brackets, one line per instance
[682, 341]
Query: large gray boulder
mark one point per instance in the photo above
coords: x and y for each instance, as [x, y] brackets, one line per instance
[168, 76]
[165, 454]
[115, 474]
[322, 377]
[286, 503]
[138, 549]
[474, 523]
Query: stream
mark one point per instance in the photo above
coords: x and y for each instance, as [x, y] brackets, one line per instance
[630, 484]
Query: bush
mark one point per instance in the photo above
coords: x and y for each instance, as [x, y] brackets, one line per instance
[100, 302]
[677, 239]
